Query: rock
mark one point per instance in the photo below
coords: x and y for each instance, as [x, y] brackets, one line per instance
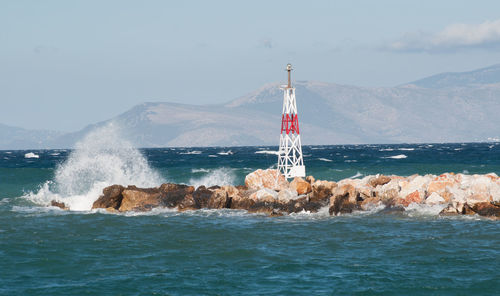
[339, 204]
[300, 185]
[348, 190]
[434, 199]
[388, 192]
[415, 183]
[322, 190]
[187, 203]
[450, 210]
[139, 199]
[172, 195]
[60, 205]
[287, 195]
[111, 198]
[264, 195]
[414, 197]
[486, 209]
[201, 197]
[219, 200]
[310, 179]
[269, 179]
[379, 180]
[370, 203]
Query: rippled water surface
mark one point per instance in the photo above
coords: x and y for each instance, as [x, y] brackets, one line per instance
[47, 251]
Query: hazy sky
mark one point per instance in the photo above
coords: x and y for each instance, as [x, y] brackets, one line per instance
[65, 64]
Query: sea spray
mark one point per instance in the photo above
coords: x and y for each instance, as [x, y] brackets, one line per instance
[102, 158]
[221, 176]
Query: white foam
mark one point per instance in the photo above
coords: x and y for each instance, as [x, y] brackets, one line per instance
[195, 152]
[220, 176]
[406, 149]
[211, 155]
[386, 149]
[225, 152]
[358, 174]
[267, 152]
[325, 159]
[31, 155]
[199, 171]
[400, 156]
[100, 159]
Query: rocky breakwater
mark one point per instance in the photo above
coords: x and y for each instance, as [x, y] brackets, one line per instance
[267, 192]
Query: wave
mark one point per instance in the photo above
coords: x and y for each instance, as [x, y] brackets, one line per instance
[386, 149]
[406, 149]
[31, 155]
[400, 156]
[199, 171]
[225, 152]
[194, 152]
[221, 176]
[325, 159]
[100, 159]
[357, 175]
[267, 152]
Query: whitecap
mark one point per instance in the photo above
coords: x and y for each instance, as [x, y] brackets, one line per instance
[194, 152]
[267, 152]
[358, 174]
[400, 156]
[211, 155]
[386, 149]
[406, 149]
[325, 159]
[31, 155]
[225, 153]
[350, 160]
[200, 170]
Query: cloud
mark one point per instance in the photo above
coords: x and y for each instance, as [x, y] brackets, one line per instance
[452, 38]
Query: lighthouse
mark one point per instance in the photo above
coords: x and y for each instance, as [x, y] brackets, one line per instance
[290, 160]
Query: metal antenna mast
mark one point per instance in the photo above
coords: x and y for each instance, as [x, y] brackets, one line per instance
[290, 160]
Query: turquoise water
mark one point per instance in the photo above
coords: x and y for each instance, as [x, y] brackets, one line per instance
[47, 251]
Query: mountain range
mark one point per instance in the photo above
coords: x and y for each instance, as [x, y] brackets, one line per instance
[448, 107]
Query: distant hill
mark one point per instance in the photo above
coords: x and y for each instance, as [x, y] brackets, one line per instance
[19, 138]
[489, 75]
[448, 107]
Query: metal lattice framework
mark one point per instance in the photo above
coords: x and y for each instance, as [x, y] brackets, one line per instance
[290, 160]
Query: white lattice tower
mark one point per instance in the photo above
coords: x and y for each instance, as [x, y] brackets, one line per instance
[290, 160]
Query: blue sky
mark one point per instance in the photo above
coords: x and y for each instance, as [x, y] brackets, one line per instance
[66, 64]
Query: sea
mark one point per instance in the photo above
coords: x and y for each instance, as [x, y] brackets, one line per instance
[48, 251]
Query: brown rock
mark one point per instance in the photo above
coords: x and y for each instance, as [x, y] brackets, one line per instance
[380, 180]
[301, 186]
[486, 209]
[140, 199]
[270, 179]
[348, 190]
[322, 190]
[438, 186]
[410, 198]
[449, 211]
[201, 197]
[111, 198]
[219, 200]
[172, 195]
[370, 202]
[310, 179]
[60, 205]
[339, 204]
[187, 203]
